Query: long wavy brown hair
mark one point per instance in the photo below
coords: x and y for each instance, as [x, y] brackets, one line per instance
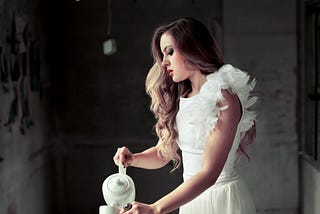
[199, 49]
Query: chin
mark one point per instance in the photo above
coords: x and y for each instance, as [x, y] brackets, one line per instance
[176, 80]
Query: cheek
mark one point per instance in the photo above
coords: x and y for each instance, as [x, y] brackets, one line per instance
[180, 62]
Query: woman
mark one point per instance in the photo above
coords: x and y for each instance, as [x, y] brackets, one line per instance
[201, 107]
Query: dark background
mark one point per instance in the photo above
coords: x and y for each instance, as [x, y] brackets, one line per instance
[82, 105]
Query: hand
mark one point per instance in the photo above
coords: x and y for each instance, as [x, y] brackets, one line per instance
[124, 156]
[139, 208]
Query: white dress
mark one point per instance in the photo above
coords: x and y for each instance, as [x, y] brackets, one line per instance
[197, 116]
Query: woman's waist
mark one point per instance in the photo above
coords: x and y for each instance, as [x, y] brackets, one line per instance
[223, 177]
[192, 163]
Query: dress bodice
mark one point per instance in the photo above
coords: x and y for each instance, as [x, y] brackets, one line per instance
[198, 115]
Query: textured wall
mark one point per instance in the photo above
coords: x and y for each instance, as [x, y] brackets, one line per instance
[24, 163]
[311, 189]
[260, 37]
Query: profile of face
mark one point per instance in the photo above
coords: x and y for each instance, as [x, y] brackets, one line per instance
[173, 61]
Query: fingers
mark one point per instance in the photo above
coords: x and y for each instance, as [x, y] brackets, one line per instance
[137, 208]
[116, 158]
[124, 156]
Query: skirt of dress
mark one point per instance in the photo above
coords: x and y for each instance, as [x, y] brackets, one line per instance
[229, 196]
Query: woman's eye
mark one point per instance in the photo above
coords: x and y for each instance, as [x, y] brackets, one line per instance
[170, 52]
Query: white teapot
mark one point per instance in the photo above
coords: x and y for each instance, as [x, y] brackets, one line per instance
[118, 191]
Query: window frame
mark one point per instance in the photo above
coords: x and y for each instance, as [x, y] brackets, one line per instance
[311, 147]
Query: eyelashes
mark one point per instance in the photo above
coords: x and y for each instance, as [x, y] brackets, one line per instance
[170, 52]
[167, 52]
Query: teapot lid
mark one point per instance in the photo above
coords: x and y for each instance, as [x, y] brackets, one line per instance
[118, 183]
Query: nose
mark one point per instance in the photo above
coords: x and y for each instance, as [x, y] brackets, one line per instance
[164, 62]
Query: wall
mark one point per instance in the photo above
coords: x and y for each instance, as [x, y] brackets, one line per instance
[260, 37]
[311, 188]
[24, 156]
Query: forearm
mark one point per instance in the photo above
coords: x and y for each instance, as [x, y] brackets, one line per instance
[184, 193]
[148, 159]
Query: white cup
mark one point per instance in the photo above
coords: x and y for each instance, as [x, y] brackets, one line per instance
[105, 209]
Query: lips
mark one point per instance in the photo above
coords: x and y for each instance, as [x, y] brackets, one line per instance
[170, 72]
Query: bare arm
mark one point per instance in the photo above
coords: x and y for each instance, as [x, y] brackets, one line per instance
[148, 159]
[217, 148]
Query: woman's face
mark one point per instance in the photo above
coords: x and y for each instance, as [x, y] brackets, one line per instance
[172, 60]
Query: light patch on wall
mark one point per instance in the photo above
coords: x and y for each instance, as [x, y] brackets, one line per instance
[109, 47]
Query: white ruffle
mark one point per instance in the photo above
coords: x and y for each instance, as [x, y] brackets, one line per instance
[240, 84]
[205, 110]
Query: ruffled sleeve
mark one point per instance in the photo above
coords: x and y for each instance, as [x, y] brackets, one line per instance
[240, 83]
[208, 111]
[198, 115]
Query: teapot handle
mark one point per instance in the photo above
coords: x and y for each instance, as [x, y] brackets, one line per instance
[122, 169]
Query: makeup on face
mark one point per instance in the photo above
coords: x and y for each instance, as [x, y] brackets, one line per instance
[172, 61]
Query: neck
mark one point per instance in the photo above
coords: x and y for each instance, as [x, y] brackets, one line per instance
[197, 80]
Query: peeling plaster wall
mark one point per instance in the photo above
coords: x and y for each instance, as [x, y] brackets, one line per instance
[24, 163]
